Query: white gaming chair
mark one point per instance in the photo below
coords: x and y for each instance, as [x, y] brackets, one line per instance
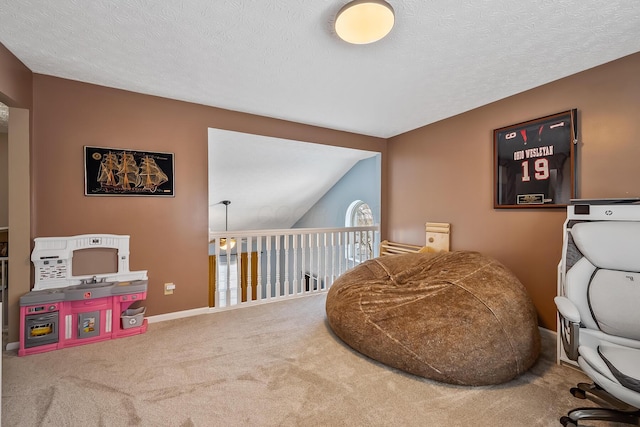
[599, 311]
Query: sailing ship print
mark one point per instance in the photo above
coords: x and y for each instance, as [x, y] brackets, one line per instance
[108, 168]
[128, 172]
[150, 176]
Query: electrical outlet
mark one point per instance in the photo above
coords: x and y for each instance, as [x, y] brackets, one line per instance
[168, 288]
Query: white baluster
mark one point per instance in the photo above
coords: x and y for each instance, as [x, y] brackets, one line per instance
[303, 259]
[319, 252]
[326, 261]
[238, 271]
[287, 291]
[278, 289]
[348, 248]
[218, 284]
[352, 248]
[340, 253]
[333, 258]
[228, 257]
[268, 284]
[311, 261]
[259, 278]
[296, 281]
[249, 270]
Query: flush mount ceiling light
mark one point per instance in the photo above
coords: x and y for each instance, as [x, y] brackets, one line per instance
[364, 21]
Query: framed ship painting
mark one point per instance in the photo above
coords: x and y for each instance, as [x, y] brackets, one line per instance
[123, 172]
[534, 162]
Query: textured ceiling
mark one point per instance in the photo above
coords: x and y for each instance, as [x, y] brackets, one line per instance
[282, 58]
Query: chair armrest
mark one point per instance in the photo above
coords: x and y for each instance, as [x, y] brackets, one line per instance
[569, 326]
[567, 309]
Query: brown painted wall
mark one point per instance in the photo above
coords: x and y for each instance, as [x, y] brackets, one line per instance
[20, 219]
[15, 80]
[168, 235]
[16, 91]
[444, 173]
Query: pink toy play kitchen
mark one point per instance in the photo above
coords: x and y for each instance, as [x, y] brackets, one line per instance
[65, 310]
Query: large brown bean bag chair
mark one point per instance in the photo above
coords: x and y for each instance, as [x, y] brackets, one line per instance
[456, 317]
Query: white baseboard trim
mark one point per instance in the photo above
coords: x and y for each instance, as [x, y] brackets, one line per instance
[211, 310]
[13, 346]
[178, 314]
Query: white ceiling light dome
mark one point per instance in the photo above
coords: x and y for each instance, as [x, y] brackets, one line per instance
[364, 21]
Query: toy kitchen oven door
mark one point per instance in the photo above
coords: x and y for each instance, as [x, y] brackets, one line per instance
[82, 293]
[41, 324]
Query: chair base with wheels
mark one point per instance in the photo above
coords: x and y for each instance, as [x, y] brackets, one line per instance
[616, 411]
[616, 386]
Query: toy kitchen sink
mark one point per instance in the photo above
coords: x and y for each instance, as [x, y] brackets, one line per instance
[68, 307]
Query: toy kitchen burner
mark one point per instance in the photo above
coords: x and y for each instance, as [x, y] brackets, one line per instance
[65, 310]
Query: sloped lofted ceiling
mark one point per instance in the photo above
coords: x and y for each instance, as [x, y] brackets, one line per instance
[270, 182]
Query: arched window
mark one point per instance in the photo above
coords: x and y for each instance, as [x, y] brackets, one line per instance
[359, 215]
[360, 244]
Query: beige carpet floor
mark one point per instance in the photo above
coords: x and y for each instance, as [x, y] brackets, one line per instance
[270, 365]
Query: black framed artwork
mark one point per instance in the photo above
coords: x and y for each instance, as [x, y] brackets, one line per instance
[534, 162]
[124, 172]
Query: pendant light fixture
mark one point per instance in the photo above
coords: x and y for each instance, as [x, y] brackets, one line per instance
[231, 243]
[364, 21]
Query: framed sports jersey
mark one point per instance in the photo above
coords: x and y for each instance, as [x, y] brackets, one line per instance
[534, 162]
